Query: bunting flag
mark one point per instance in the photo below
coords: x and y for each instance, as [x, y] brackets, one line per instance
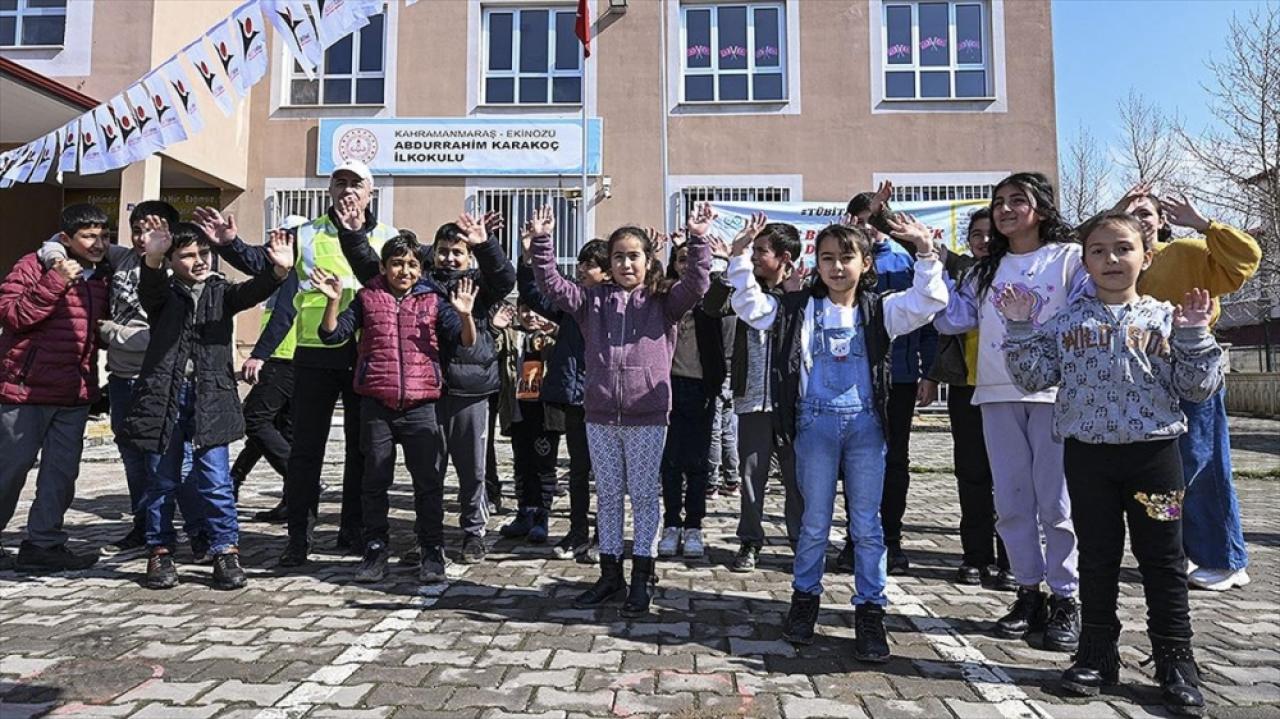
[253, 41]
[174, 78]
[336, 20]
[17, 160]
[93, 146]
[21, 169]
[293, 24]
[113, 146]
[136, 144]
[156, 92]
[6, 161]
[226, 49]
[47, 154]
[70, 146]
[199, 58]
[144, 116]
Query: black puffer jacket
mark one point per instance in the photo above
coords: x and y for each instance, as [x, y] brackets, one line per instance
[203, 331]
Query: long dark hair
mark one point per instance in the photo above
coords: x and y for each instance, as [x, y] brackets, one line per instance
[848, 239]
[1052, 228]
[655, 281]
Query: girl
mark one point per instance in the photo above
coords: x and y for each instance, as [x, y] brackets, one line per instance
[629, 326]
[1032, 248]
[830, 380]
[1127, 361]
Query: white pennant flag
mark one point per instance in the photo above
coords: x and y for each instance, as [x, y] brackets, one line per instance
[144, 116]
[135, 142]
[253, 41]
[207, 71]
[113, 145]
[175, 78]
[70, 146]
[336, 20]
[6, 161]
[292, 23]
[20, 158]
[30, 154]
[156, 92]
[226, 49]
[47, 155]
[93, 146]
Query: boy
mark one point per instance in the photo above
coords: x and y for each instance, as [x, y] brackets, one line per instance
[405, 325]
[48, 379]
[185, 399]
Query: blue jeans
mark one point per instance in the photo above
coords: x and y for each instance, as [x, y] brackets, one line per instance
[829, 440]
[136, 464]
[1211, 530]
[208, 484]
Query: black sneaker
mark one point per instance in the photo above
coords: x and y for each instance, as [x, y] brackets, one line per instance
[294, 554]
[278, 514]
[473, 550]
[844, 560]
[161, 571]
[373, 568]
[1001, 580]
[1026, 615]
[572, 543]
[746, 559]
[871, 643]
[520, 526]
[801, 618]
[538, 532]
[968, 575]
[132, 542]
[431, 569]
[227, 572]
[1062, 626]
[52, 559]
[897, 561]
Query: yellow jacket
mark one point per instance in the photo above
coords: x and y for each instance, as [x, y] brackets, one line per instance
[1221, 263]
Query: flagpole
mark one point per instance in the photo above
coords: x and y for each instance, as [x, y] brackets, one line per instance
[582, 240]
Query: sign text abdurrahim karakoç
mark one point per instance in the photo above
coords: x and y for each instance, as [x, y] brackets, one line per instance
[451, 145]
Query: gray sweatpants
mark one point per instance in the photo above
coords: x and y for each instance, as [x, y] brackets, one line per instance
[56, 434]
[1031, 494]
[755, 448]
[465, 421]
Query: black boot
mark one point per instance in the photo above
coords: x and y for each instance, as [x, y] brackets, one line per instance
[643, 580]
[1097, 661]
[870, 642]
[608, 587]
[1178, 675]
[801, 618]
[1062, 624]
[1026, 615]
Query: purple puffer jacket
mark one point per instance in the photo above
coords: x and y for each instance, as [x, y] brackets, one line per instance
[630, 336]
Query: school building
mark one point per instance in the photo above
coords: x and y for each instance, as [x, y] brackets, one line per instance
[477, 104]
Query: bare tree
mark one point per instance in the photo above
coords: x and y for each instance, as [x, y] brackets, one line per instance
[1149, 151]
[1084, 176]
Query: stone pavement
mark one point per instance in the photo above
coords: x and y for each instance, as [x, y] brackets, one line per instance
[502, 639]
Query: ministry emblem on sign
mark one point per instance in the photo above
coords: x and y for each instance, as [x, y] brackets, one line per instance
[358, 144]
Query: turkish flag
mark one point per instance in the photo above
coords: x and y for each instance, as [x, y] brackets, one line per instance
[582, 28]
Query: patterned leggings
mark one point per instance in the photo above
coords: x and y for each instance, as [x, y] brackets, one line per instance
[627, 460]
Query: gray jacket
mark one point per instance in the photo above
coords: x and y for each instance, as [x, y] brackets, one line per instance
[1120, 375]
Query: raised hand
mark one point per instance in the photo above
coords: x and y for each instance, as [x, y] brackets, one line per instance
[795, 279]
[700, 221]
[349, 213]
[719, 248]
[908, 229]
[251, 370]
[280, 249]
[1179, 211]
[1195, 310]
[156, 237]
[543, 222]
[678, 239]
[1139, 190]
[472, 229]
[68, 269]
[526, 238]
[493, 222]
[883, 193]
[657, 240]
[464, 296]
[1016, 304]
[220, 229]
[503, 317]
[749, 232]
[848, 220]
[329, 284]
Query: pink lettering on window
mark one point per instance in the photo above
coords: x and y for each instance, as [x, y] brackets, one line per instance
[766, 52]
[733, 51]
[698, 51]
[933, 43]
[899, 50]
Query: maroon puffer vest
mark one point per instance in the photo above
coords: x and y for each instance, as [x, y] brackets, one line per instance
[399, 351]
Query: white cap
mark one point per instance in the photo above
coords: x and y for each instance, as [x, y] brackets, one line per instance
[355, 167]
[292, 222]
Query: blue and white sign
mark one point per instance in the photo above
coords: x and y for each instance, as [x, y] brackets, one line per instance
[459, 147]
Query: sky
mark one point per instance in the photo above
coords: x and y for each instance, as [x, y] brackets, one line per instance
[1102, 48]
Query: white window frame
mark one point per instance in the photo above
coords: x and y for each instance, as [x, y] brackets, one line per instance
[22, 10]
[282, 73]
[514, 73]
[383, 188]
[789, 38]
[714, 72]
[940, 186]
[996, 99]
[356, 74]
[66, 60]
[791, 185]
[953, 66]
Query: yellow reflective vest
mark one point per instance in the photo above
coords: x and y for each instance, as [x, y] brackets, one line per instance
[318, 247]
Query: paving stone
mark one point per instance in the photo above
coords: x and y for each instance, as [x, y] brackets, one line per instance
[904, 708]
[236, 691]
[158, 690]
[165, 711]
[545, 698]
[817, 708]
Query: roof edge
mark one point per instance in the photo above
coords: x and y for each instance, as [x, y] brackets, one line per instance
[45, 84]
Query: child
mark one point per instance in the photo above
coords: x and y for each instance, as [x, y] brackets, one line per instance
[48, 379]
[630, 330]
[698, 369]
[405, 325]
[1029, 246]
[831, 347]
[185, 399]
[526, 350]
[1220, 263]
[564, 388]
[1124, 361]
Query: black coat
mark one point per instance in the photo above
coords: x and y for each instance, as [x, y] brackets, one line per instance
[205, 333]
[565, 381]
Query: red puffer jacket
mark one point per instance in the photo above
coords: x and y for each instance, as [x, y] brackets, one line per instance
[399, 350]
[48, 348]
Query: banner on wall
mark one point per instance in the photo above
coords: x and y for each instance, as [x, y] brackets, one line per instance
[949, 219]
[459, 146]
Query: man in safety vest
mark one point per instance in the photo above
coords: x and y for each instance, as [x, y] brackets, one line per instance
[323, 372]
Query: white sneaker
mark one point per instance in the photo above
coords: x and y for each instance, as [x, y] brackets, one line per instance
[693, 548]
[670, 542]
[1217, 580]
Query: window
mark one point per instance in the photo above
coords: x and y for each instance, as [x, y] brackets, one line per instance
[689, 196]
[935, 51]
[517, 206]
[308, 203]
[354, 70]
[31, 23]
[531, 57]
[733, 53]
[929, 193]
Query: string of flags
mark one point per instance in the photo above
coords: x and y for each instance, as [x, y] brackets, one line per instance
[162, 108]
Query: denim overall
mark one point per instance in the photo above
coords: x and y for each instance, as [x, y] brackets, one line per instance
[837, 428]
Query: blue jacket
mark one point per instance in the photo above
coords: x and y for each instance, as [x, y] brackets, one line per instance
[913, 353]
[565, 379]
